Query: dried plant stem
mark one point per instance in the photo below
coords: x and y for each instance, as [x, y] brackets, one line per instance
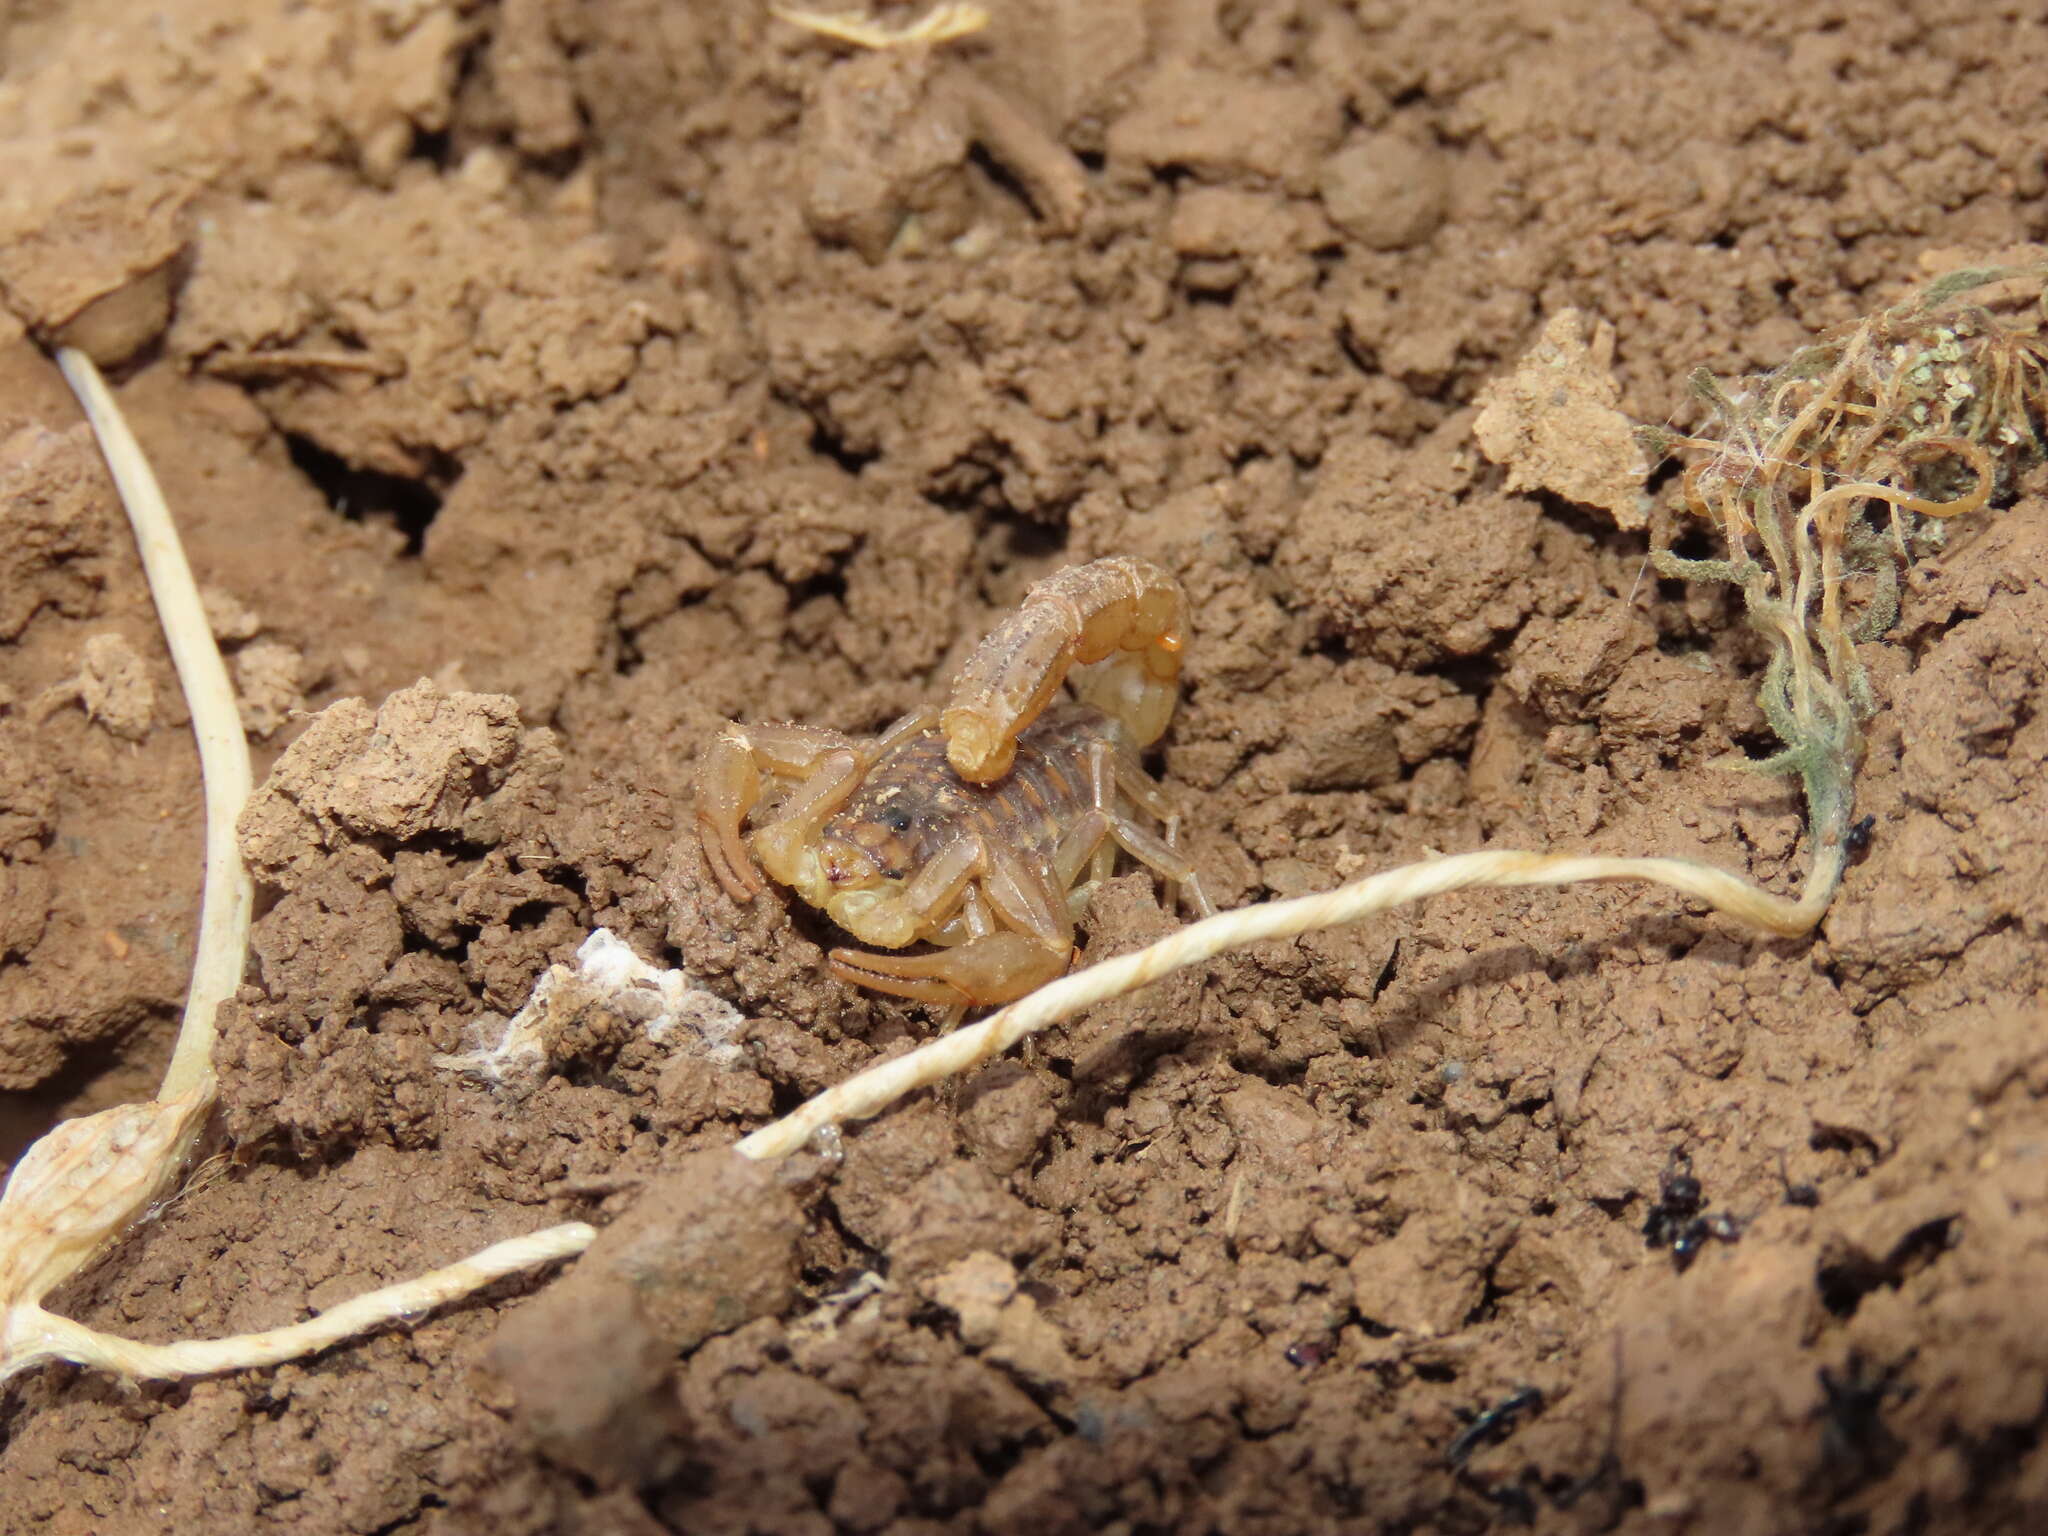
[265, 363]
[1825, 475]
[57, 1338]
[868, 1093]
[216, 721]
[82, 1185]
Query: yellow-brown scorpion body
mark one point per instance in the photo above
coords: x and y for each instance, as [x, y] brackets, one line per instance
[983, 828]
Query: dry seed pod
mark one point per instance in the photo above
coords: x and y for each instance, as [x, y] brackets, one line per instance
[80, 1186]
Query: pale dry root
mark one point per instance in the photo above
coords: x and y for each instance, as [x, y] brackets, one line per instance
[81, 1186]
[56, 1338]
[868, 1093]
[216, 723]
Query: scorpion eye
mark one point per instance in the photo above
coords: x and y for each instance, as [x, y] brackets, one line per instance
[898, 821]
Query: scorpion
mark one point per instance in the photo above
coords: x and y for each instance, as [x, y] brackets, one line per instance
[982, 828]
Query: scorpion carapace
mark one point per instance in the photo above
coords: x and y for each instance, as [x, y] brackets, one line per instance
[896, 845]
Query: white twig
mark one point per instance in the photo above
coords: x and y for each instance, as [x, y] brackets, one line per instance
[216, 721]
[80, 1186]
[868, 1093]
[46, 1338]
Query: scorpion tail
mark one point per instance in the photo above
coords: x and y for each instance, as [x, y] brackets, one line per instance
[1121, 621]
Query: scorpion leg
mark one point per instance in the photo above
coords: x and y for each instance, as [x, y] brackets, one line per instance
[941, 884]
[1084, 847]
[987, 967]
[832, 779]
[903, 728]
[972, 921]
[1026, 897]
[978, 921]
[997, 969]
[729, 785]
[1121, 621]
[1161, 854]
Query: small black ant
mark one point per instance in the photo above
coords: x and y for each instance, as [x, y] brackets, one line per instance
[1679, 1198]
[1679, 1220]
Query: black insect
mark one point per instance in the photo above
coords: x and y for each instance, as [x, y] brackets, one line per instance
[1680, 1220]
[1721, 1226]
[1494, 1425]
[1679, 1198]
[1858, 838]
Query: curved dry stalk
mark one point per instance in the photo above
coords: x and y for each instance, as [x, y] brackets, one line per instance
[1838, 501]
[44, 1338]
[80, 1186]
[869, 1092]
[216, 721]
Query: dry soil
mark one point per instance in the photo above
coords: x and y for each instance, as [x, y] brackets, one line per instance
[620, 367]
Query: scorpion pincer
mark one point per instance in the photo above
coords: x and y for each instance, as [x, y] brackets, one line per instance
[983, 828]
